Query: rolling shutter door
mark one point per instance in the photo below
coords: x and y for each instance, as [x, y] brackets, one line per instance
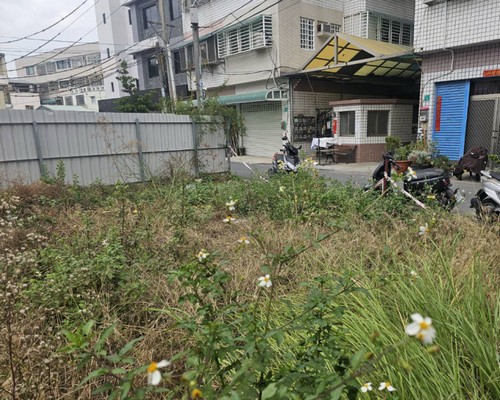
[450, 118]
[263, 123]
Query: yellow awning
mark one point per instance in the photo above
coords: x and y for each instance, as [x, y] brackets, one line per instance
[348, 55]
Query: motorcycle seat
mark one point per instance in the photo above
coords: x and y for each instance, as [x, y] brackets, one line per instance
[495, 175]
[427, 173]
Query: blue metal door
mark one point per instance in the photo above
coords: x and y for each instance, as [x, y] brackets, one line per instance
[450, 118]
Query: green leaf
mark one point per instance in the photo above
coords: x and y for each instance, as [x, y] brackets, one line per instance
[118, 371]
[269, 391]
[125, 349]
[113, 358]
[357, 358]
[88, 327]
[106, 387]
[94, 374]
[104, 336]
[125, 389]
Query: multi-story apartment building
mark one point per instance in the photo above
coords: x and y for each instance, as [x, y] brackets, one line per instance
[68, 76]
[253, 54]
[460, 89]
[114, 29]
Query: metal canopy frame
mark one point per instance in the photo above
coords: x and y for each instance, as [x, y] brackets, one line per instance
[350, 56]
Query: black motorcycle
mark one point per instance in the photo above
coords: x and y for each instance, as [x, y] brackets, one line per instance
[419, 181]
[288, 160]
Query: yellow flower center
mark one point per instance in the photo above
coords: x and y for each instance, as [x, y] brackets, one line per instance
[387, 384]
[420, 336]
[152, 367]
[196, 394]
[424, 325]
[266, 279]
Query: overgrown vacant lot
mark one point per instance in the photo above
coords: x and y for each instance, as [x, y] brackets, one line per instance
[99, 283]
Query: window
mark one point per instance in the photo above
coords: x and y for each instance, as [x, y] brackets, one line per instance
[80, 100]
[149, 15]
[153, 69]
[129, 17]
[347, 123]
[41, 70]
[68, 100]
[378, 123]
[306, 34]
[29, 107]
[92, 59]
[30, 70]
[177, 61]
[254, 35]
[112, 87]
[77, 62]
[103, 18]
[93, 99]
[108, 52]
[64, 84]
[51, 67]
[62, 64]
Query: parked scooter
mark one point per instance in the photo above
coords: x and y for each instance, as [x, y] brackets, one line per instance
[287, 160]
[420, 181]
[487, 200]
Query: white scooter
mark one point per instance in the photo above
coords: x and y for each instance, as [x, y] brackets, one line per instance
[487, 200]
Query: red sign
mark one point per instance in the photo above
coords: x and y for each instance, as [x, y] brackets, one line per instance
[335, 126]
[437, 124]
[491, 72]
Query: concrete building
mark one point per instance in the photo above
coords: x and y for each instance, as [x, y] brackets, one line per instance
[460, 90]
[255, 54]
[114, 29]
[65, 76]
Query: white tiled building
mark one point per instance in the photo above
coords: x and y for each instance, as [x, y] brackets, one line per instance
[460, 86]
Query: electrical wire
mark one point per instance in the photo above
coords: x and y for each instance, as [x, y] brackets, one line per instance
[47, 28]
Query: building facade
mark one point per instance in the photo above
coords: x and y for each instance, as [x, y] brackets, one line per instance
[460, 88]
[71, 76]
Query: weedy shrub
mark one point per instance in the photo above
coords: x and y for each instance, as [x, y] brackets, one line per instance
[295, 287]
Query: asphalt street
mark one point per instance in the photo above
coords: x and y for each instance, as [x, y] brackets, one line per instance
[359, 174]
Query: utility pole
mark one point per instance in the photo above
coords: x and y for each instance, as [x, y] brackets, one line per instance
[166, 54]
[196, 52]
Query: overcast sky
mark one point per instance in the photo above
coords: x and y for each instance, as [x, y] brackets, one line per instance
[19, 18]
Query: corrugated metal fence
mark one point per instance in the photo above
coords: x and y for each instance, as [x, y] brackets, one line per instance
[106, 147]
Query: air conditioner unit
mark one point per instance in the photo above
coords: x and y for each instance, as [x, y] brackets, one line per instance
[326, 30]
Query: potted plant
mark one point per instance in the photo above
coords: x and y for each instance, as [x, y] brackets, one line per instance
[392, 143]
[420, 158]
[401, 157]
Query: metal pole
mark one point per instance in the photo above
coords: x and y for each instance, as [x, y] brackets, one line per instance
[196, 53]
[139, 149]
[38, 147]
[170, 82]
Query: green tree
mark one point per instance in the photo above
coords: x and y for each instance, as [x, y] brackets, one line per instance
[135, 102]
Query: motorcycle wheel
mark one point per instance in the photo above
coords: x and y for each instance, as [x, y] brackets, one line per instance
[486, 212]
[447, 200]
[271, 172]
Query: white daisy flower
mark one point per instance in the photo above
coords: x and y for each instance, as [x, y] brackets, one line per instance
[244, 240]
[424, 230]
[265, 281]
[281, 189]
[229, 219]
[387, 386]
[154, 375]
[421, 328]
[366, 387]
[413, 273]
[202, 255]
[410, 174]
[231, 203]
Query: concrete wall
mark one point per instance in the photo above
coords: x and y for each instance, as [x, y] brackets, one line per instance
[449, 24]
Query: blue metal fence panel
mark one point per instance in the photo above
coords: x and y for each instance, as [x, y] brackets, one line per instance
[450, 120]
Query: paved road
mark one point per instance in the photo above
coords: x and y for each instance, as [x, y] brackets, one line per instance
[359, 176]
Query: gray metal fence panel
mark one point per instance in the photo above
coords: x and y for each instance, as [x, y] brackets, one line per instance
[103, 146]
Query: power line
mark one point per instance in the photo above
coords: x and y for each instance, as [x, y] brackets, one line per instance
[47, 28]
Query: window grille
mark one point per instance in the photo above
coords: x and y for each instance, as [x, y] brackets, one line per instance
[255, 35]
[68, 100]
[51, 67]
[62, 64]
[30, 70]
[306, 34]
[153, 69]
[80, 100]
